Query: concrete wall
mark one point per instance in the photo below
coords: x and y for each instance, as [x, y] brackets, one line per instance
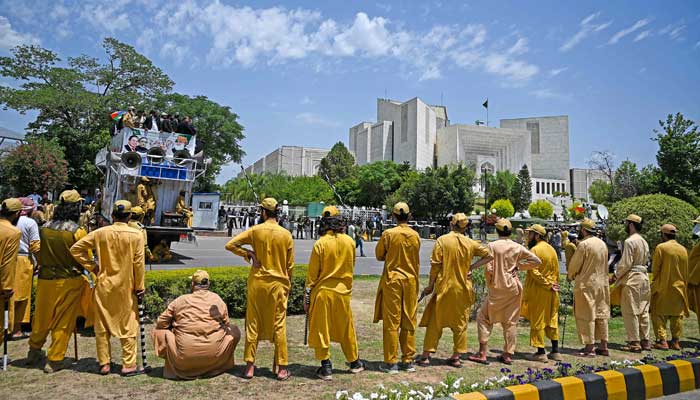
[581, 179]
[290, 160]
[550, 160]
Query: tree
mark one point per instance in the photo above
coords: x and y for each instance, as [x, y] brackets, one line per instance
[626, 180]
[74, 98]
[601, 192]
[655, 210]
[649, 181]
[36, 167]
[298, 190]
[338, 164]
[541, 209]
[370, 184]
[218, 131]
[577, 211]
[438, 191]
[523, 190]
[678, 155]
[504, 208]
[502, 185]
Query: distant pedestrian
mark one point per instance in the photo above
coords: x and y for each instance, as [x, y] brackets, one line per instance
[358, 239]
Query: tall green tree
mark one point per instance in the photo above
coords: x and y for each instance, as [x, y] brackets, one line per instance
[523, 190]
[35, 167]
[297, 190]
[73, 98]
[502, 185]
[218, 131]
[370, 184]
[601, 192]
[338, 164]
[649, 181]
[626, 181]
[678, 155]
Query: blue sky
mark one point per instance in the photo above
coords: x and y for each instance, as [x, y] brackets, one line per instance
[302, 73]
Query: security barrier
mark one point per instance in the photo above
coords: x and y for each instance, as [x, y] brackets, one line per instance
[634, 383]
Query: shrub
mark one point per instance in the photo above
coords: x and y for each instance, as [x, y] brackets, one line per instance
[541, 209]
[655, 210]
[230, 283]
[504, 208]
[577, 211]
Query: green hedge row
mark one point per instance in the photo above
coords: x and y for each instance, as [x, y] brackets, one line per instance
[228, 282]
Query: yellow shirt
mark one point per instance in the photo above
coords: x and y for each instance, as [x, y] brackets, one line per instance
[538, 296]
[399, 249]
[9, 248]
[274, 248]
[332, 264]
[569, 250]
[547, 274]
[57, 237]
[120, 251]
[589, 270]
[694, 266]
[635, 253]
[449, 269]
[669, 267]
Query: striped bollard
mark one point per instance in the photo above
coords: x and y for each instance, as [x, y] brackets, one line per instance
[144, 365]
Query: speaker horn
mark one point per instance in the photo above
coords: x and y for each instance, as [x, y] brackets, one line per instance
[114, 157]
[131, 160]
[156, 155]
[180, 156]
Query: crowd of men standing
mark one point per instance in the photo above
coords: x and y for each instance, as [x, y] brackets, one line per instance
[196, 339]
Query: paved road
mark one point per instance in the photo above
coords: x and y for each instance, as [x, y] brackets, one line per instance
[210, 252]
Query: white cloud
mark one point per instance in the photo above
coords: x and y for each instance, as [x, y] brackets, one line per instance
[643, 70]
[557, 71]
[433, 72]
[520, 47]
[548, 94]
[515, 70]
[674, 31]
[306, 100]
[174, 52]
[315, 119]
[10, 38]
[642, 35]
[368, 36]
[587, 27]
[697, 45]
[620, 34]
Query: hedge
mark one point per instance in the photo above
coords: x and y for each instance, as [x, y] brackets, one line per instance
[230, 283]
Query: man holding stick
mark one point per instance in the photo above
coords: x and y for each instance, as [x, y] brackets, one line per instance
[120, 280]
[9, 247]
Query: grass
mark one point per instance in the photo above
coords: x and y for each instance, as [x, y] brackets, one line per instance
[82, 381]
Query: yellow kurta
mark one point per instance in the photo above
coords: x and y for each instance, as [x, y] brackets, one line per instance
[268, 286]
[569, 250]
[397, 295]
[694, 279]
[329, 277]
[589, 270]
[669, 296]
[59, 289]
[631, 276]
[139, 227]
[453, 295]
[181, 208]
[194, 337]
[9, 247]
[540, 302]
[121, 273]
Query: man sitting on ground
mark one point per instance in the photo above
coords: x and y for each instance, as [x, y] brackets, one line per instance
[193, 334]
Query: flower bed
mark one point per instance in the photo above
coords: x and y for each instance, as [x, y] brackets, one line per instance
[453, 385]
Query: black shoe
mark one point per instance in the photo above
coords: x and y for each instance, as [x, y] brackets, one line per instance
[325, 372]
[357, 366]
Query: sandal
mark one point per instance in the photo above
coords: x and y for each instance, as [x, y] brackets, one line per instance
[249, 377]
[105, 369]
[586, 354]
[284, 377]
[505, 360]
[478, 360]
[423, 361]
[454, 362]
[601, 352]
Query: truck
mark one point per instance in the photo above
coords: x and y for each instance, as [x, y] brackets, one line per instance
[168, 160]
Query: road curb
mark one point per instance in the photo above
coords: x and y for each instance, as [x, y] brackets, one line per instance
[634, 383]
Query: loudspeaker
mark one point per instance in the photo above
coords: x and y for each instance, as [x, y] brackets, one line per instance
[131, 160]
[180, 155]
[155, 155]
[114, 157]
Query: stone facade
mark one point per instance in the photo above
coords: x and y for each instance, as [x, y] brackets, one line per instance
[581, 180]
[289, 160]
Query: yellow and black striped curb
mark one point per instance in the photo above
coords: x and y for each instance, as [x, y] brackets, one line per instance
[634, 383]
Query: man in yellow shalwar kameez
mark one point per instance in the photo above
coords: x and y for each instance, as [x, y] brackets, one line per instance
[505, 292]
[397, 296]
[269, 282]
[60, 285]
[10, 237]
[632, 283]
[450, 280]
[694, 272]
[146, 200]
[589, 271]
[570, 248]
[120, 280]
[136, 222]
[24, 275]
[327, 294]
[181, 208]
[541, 296]
[669, 295]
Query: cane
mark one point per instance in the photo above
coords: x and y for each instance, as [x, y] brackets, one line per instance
[563, 332]
[145, 368]
[75, 343]
[6, 333]
[307, 301]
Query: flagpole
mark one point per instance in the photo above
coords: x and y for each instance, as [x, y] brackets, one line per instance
[487, 112]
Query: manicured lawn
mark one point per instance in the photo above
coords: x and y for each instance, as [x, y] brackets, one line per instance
[82, 381]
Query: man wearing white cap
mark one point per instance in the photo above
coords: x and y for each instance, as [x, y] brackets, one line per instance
[632, 282]
[269, 282]
[669, 295]
[589, 271]
[450, 280]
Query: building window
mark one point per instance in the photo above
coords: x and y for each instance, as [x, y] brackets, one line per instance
[537, 187]
[534, 128]
[205, 205]
[404, 124]
[427, 125]
[549, 188]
